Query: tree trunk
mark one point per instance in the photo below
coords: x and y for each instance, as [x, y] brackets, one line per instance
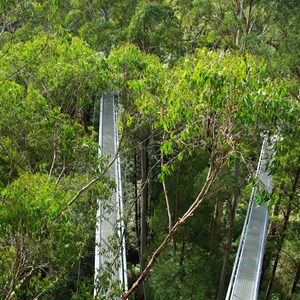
[283, 234]
[248, 21]
[136, 203]
[272, 227]
[106, 14]
[181, 262]
[295, 282]
[144, 202]
[215, 238]
[271, 234]
[227, 249]
[166, 197]
[176, 210]
[240, 14]
[277, 255]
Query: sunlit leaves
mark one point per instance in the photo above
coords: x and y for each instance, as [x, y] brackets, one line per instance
[48, 137]
[39, 236]
[211, 99]
[65, 70]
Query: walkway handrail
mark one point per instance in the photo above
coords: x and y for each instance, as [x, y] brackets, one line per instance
[248, 218]
[110, 221]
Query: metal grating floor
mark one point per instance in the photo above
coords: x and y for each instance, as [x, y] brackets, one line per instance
[245, 278]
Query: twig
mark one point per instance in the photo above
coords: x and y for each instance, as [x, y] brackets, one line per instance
[83, 189]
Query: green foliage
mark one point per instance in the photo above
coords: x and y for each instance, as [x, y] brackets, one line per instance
[46, 155]
[155, 29]
[41, 239]
[212, 95]
[209, 99]
[180, 273]
[262, 197]
[49, 141]
[30, 14]
[64, 69]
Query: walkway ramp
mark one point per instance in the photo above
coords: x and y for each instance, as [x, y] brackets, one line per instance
[110, 240]
[245, 278]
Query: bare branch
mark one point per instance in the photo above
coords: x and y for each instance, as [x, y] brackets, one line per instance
[92, 182]
[166, 196]
[54, 156]
[215, 167]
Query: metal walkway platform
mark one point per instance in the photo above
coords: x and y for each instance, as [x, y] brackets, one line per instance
[245, 278]
[110, 226]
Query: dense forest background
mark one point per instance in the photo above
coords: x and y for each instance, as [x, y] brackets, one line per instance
[200, 83]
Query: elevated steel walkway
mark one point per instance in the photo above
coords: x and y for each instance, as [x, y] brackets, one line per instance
[110, 240]
[245, 278]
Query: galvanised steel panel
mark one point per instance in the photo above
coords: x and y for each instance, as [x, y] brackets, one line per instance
[245, 279]
[108, 215]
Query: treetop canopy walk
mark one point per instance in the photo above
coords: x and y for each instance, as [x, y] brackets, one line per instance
[110, 255]
[245, 278]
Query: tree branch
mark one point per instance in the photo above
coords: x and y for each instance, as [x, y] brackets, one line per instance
[83, 189]
[215, 167]
[166, 196]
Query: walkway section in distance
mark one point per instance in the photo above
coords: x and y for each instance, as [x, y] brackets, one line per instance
[110, 255]
[245, 277]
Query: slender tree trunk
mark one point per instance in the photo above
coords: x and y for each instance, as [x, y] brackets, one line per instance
[144, 202]
[277, 255]
[228, 246]
[295, 282]
[176, 210]
[166, 197]
[215, 238]
[273, 227]
[283, 234]
[144, 210]
[271, 234]
[240, 14]
[136, 203]
[248, 22]
[248, 26]
[106, 14]
[181, 262]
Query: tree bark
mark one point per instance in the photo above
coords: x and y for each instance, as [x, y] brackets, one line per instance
[215, 239]
[240, 16]
[295, 282]
[106, 14]
[136, 204]
[228, 246]
[144, 202]
[248, 22]
[176, 210]
[166, 197]
[181, 262]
